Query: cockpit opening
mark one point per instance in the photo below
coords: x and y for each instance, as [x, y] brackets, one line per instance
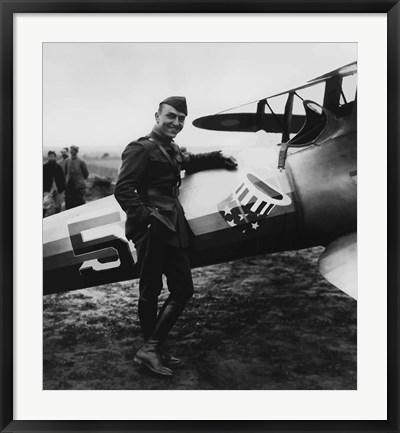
[313, 126]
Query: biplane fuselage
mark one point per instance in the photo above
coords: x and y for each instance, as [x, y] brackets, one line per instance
[252, 210]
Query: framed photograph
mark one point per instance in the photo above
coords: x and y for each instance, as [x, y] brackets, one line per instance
[212, 242]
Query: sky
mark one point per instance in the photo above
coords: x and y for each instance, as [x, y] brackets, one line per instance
[101, 96]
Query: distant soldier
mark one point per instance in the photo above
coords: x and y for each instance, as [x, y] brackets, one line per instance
[147, 190]
[63, 163]
[64, 158]
[53, 185]
[76, 174]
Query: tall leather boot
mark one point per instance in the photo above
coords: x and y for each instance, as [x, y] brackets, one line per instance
[167, 359]
[169, 313]
[149, 356]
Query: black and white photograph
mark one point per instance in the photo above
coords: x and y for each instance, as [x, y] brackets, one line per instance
[200, 216]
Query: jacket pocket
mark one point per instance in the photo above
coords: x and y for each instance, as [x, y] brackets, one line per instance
[162, 208]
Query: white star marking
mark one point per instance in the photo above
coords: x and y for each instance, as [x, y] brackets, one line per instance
[242, 217]
[227, 210]
[255, 226]
[231, 223]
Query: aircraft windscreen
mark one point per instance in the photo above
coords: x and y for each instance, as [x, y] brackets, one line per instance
[314, 93]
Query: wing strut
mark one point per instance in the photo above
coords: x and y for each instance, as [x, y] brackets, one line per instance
[286, 128]
[287, 118]
[272, 112]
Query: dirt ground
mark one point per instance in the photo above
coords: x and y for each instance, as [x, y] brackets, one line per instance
[268, 322]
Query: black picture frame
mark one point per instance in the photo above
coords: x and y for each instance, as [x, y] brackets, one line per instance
[10, 7]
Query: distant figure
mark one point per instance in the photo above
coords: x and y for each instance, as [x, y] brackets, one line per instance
[53, 185]
[63, 163]
[64, 158]
[76, 173]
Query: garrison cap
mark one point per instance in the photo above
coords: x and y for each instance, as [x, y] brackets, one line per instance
[74, 147]
[178, 102]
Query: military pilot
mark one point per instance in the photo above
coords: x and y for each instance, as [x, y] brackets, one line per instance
[147, 190]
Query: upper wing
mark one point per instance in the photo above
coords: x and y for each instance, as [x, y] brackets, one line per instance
[272, 122]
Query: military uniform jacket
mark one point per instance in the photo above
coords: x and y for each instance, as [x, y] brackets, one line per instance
[146, 185]
[53, 172]
[76, 173]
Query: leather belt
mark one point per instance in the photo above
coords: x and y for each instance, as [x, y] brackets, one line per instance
[172, 191]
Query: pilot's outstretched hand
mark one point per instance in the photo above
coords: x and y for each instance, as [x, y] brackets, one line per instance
[229, 162]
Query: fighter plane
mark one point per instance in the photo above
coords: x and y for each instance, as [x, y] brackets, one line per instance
[291, 191]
